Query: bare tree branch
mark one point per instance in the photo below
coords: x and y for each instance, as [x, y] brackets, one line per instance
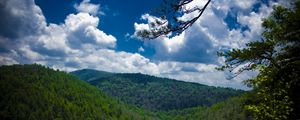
[172, 25]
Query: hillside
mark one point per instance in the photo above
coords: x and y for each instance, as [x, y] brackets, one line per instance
[230, 109]
[90, 75]
[36, 92]
[154, 93]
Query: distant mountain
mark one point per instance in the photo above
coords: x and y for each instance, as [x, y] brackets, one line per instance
[155, 93]
[36, 92]
[90, 74]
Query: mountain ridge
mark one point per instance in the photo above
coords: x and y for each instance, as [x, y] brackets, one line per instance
[38, 92]
[75, 72]
[156, 93]
[85, 74]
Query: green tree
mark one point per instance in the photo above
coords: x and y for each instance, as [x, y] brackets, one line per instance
[39, 93]
[155, 93]
[276, 56]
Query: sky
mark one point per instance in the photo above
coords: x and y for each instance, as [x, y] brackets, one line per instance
[101, 34]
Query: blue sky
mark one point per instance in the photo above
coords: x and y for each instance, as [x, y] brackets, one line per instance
[118, 18]
[101, 34]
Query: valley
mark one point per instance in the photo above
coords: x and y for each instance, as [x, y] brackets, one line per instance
[38, 92]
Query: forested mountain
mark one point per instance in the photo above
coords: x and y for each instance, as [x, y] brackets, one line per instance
[90, 75]
[36, 92]
[156, 93]
[230, 109]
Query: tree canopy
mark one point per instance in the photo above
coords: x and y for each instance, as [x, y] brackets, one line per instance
[276, 56]
[155, 93]
[38, 93]
[35, 92]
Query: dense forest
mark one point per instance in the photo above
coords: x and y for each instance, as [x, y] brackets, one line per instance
[90, 74]
[37, 92]
[275, 94]
[155, 93]
[276, 57]
[231, 109]
[256, 42]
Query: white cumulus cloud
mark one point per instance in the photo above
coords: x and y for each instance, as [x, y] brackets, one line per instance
[211, 32]
[86, 7]
[54, 42]
[79, 43]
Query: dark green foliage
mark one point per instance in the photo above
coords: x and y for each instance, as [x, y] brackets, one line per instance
[90, 75]
[36, 92]
[156, 93]
[231, 109]
[277, 57]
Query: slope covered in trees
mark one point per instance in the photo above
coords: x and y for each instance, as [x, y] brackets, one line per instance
[276, 56]
[230, 109]
[90, 75]
[36, 92]
[156, 93]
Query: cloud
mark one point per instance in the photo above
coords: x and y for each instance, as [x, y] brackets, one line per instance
[16, 16]
[123, 62]
[247, 4]
[149, 19]
[79, 43]
[34, 40]
[141, 49]
[201, 73]
[7, 61]
[211, 33]
[82, 29]
[18, 21]
[110, 60]
[86, 7]
[78, 32]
